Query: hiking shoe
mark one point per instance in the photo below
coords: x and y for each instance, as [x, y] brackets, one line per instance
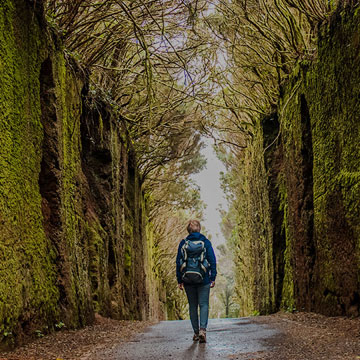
[202, 336]
[196, 337]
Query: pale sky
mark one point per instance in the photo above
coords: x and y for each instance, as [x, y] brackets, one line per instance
[211, 193]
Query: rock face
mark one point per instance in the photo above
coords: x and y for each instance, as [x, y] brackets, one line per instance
[301, 232]
[322, 144]
[74, 238]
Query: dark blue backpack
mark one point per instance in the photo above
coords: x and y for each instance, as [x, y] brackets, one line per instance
[193, 264]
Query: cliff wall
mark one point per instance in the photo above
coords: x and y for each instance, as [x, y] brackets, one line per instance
[74, 235]
[320, 136]
[308, 152]
[253, 243]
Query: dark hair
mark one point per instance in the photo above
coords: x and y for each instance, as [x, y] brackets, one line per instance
[193, 226]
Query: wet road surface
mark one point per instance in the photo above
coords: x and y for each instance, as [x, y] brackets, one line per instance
[226, 339]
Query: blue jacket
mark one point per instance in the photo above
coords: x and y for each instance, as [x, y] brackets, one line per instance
[210, 257]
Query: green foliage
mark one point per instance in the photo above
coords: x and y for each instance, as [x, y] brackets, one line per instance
[223, 302]
[39, 333]
[256, 47]
[137, 63]
[290, 309]
[59, 325]
[246, 226]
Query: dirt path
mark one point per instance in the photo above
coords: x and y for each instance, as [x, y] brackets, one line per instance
[78, 344]
[307, 336]
[301, 336]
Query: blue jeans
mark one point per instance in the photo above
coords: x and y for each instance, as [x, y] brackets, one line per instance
[198, 296]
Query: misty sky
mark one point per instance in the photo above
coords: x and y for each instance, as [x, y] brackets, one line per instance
[211, 193]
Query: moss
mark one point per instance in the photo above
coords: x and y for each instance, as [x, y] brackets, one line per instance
[338, 161]
[252, 235]
[331, 89]
[318, 185]
[127, 259]
[94, 255]
[349, 183]
[98, 267]
[287, 295]
[68, 111]
[101, 128]
[27, 275]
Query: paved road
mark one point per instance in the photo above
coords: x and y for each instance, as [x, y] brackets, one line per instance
[226, 339]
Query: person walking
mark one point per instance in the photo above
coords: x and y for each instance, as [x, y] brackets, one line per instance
[196, 273]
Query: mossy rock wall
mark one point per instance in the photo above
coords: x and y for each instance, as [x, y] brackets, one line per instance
[321, 137]
[73, 222]
[28, 291]
[253, 234]
[309, 154]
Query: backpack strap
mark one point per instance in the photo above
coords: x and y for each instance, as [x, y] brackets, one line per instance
[183, 250]
[184, 256]
[203, 254]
